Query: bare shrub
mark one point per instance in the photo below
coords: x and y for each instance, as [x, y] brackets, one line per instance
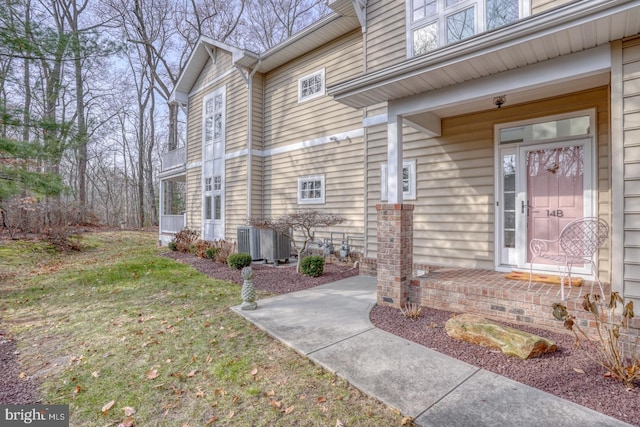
[199, 248]
[49, 218]
[222, 250]
[184, 239]
[411, 310]
[619, 357]
[303, 222]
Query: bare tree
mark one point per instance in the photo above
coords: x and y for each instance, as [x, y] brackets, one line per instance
[272, 21]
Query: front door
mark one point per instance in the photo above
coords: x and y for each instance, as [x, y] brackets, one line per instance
[541, 188]
[554, 191]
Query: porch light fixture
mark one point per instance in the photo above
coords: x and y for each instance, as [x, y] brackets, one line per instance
[499, 100]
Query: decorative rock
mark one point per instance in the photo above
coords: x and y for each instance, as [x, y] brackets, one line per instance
[513, 342]
[248, 291]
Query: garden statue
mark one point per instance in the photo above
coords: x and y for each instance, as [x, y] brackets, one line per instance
[248, 291]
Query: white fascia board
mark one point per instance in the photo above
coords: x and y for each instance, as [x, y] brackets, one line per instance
[198, 58]
[179, 97]
[563, 68]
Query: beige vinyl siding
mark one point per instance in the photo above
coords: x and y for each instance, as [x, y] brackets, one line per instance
[454, 210]
[257, 136]
[631, 177]
[236, 114]
[386, 34]
[212, 71]
[194, 198]
[538, 6]
[285, 120]
[235, 195]
[342, 164]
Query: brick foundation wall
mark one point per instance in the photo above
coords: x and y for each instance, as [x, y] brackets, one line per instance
[473, 292]
[368, 267]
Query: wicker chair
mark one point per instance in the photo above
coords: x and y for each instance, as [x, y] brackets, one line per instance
[578, 243]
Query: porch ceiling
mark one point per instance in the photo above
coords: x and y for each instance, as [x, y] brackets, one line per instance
[572, 28]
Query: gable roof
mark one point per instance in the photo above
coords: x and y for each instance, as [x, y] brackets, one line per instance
[321, 32]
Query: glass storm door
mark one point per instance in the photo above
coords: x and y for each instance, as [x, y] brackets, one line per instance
[541, 189]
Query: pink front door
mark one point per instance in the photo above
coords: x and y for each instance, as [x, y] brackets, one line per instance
[555, 191]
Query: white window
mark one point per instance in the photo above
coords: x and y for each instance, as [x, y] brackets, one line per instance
[311, 86]
[432, 24]
[213, 164]
[311, 189]
[408, 180]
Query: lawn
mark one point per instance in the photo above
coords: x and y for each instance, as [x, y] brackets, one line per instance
[123, 335]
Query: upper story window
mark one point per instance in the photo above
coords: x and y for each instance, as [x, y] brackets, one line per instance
[311, 86]
[432, 24]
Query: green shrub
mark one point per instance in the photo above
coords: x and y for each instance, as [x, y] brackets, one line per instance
[172, 246]
[211, 252]
[312, 265]
[239, 260]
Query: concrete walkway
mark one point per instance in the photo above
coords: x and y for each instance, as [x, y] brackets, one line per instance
[330, 325]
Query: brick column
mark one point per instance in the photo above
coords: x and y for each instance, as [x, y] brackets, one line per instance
[395, 253]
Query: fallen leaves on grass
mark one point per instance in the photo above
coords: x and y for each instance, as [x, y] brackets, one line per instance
[127, 422]
[152, 374]
[107, 406]
[128, 411]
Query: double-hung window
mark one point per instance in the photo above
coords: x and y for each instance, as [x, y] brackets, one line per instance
[432, 24]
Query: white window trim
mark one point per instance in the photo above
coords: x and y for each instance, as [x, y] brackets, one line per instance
[441, 17]
[319, 201]
[406, 195]
[315, 95]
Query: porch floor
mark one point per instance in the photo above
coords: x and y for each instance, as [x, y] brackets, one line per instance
[490, 294]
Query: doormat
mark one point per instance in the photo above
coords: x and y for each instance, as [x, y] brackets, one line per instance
[543, 278]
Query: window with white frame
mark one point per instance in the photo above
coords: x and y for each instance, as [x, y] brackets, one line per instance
[432, 24]
[213, 163]
[311, 189]
[311, 86]
[408, 180]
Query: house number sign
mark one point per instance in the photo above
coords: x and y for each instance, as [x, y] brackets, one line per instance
[557, 213]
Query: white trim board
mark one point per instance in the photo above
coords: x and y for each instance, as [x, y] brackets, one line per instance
[298, 145]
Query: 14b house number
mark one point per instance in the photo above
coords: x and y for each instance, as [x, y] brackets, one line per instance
[557, 213]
